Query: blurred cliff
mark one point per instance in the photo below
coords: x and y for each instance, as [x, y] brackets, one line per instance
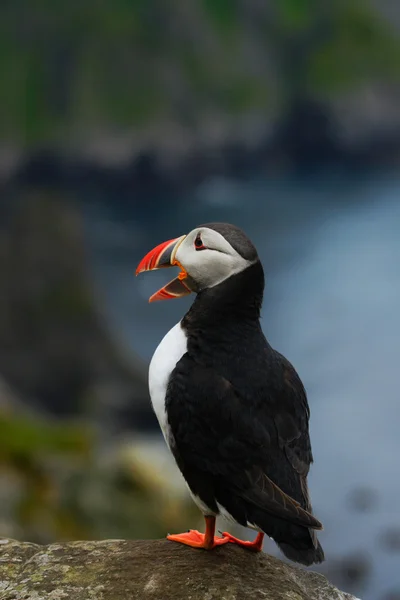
[290, 82]
[54, 347]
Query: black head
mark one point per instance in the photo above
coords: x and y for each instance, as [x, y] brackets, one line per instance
[236, 237]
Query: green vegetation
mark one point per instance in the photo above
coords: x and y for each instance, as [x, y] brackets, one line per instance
[57, 486]
[69, 67]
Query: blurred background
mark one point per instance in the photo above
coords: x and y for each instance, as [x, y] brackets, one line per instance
[128, 122]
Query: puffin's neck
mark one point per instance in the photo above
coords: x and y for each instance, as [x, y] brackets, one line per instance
[238, 298]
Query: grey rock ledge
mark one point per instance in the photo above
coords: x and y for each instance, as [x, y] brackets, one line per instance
[151, 570]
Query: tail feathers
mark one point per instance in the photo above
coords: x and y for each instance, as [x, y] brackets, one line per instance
[304, 556]
[297, 543]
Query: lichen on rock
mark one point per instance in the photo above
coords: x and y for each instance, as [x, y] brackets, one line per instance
[151, 570]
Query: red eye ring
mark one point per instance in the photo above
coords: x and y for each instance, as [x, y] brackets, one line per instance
[198, 243]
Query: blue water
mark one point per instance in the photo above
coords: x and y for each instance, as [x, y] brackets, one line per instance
[331, 252]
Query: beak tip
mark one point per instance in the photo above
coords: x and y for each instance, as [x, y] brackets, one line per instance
[140, 269]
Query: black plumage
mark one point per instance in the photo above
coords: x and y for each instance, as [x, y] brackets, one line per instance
[238, 414]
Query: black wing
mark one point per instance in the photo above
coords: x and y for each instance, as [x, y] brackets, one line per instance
[291, 420]
[218, 432]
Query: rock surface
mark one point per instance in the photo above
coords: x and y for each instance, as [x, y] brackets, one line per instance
[151, 569]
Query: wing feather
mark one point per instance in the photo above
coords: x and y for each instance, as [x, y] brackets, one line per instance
[231, 439]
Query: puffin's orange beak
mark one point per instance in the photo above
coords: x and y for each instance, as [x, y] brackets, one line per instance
[160, 257]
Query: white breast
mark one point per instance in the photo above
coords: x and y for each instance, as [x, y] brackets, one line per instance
[170, 350]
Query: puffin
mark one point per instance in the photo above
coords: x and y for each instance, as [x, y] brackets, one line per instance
[233, 411]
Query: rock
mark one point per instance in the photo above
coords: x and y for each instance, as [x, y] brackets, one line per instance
[56, 350]
[153, 569]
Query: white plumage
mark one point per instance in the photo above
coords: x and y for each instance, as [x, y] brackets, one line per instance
[169, 351]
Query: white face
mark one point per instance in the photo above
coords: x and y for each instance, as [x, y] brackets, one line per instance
[209, 258]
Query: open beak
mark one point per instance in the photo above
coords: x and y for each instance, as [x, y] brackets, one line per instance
[160, 257]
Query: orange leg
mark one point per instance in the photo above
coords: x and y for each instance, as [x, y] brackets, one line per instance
[256, 546]
[206, 540]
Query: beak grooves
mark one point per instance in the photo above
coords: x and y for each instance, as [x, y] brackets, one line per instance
[174, 289]
[161, 256]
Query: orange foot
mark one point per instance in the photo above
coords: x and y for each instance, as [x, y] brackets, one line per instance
[195, 539]
[256, 546]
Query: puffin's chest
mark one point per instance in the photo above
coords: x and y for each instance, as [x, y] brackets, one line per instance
[170, 350]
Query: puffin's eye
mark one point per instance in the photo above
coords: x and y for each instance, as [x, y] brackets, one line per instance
[198, 243]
